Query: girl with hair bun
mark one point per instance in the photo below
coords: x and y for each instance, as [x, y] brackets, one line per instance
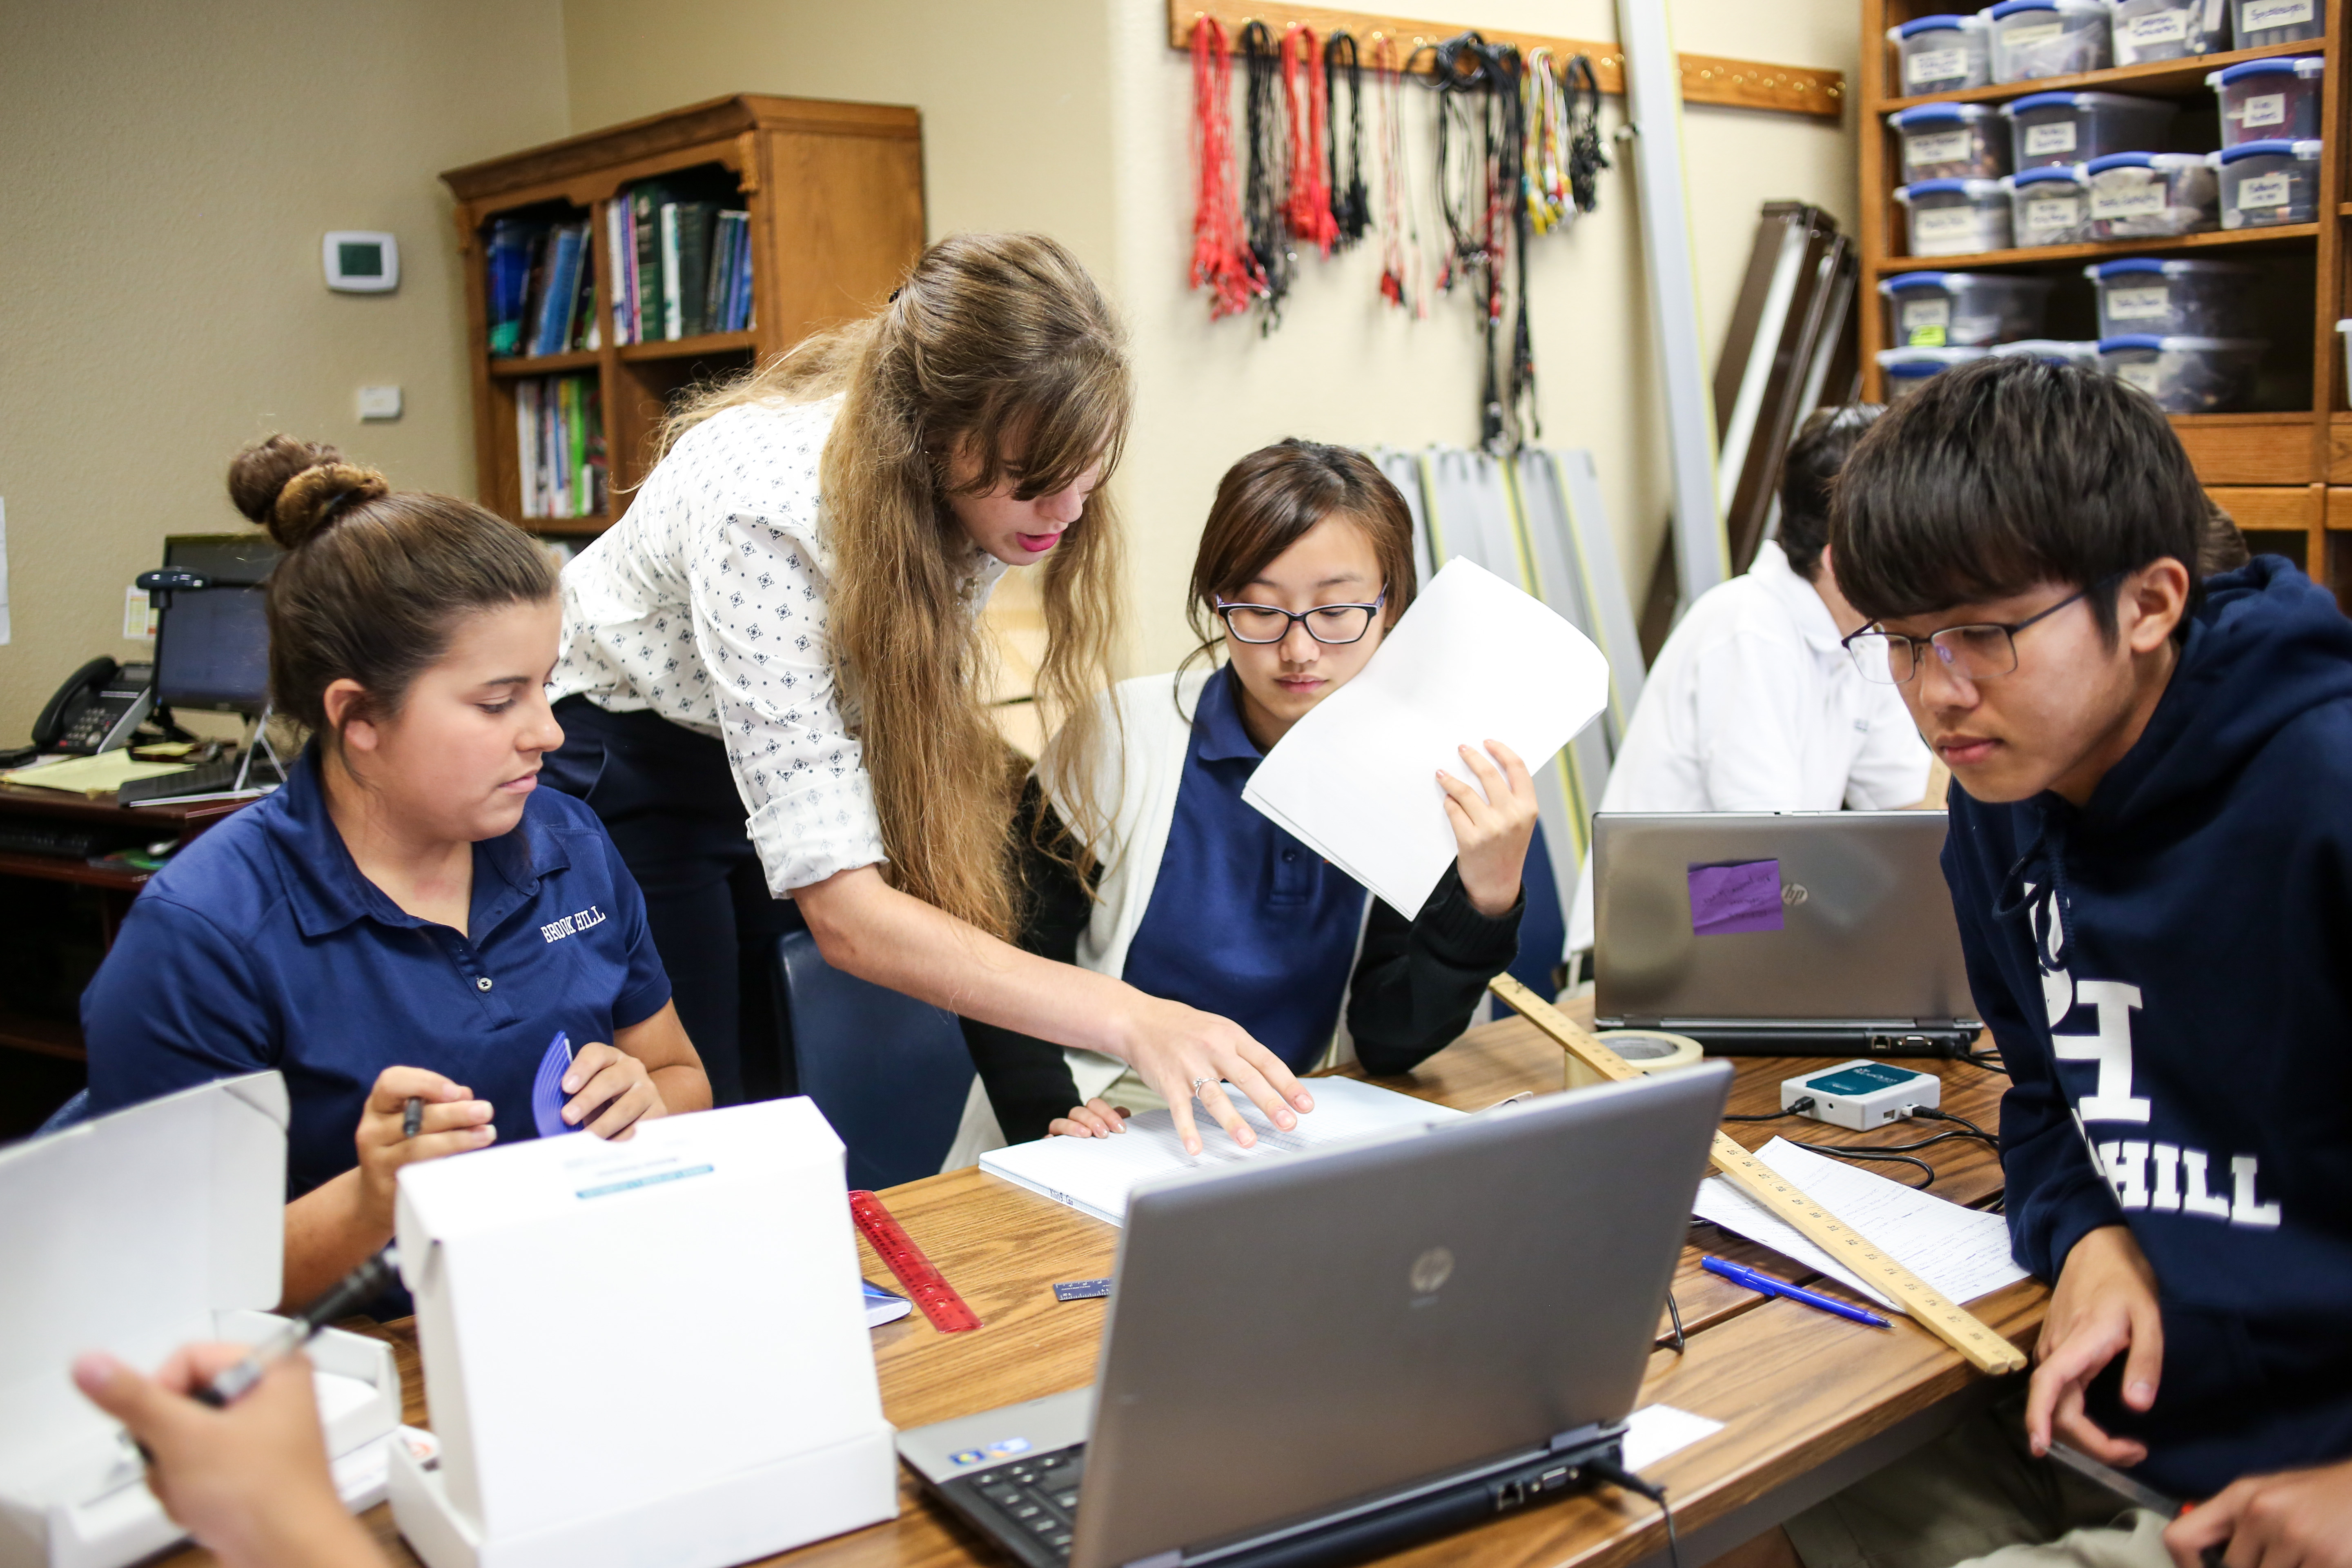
[409, 918]
[776, 684]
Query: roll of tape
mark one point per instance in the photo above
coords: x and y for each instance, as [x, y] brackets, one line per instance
[1644, 1050]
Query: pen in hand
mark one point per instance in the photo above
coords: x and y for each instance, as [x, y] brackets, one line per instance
[412, 1116]
[346, 1296]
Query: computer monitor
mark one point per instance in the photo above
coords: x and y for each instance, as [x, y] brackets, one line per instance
[213, 650]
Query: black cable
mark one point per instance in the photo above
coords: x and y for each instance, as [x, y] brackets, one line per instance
[1351, 204]
[1851, 1152]
[1931, 1115]
[1989, 1060]
[1802, 1105]
[1617, 1475]
[1264, 227]
[1680, 1342]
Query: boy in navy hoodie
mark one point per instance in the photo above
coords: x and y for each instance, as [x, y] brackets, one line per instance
[2150, 858]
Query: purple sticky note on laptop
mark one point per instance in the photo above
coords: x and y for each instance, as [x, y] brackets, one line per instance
[1738, 898]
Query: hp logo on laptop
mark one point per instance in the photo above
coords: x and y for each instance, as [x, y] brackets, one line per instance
[1430, 1270]
[1793, 893]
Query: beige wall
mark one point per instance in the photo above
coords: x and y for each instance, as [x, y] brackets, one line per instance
[1344, 367]
[171, 168]
[1073, 116]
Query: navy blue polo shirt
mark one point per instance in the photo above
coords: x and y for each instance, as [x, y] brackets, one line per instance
[1245, 920]
[261, 945]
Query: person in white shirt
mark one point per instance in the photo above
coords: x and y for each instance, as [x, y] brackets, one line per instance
[1753, 704]
[780, 638]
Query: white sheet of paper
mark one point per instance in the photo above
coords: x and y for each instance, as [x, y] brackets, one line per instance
[1655, 1431]
[1474, 660]
[1964, 1253]
[1095, 1176]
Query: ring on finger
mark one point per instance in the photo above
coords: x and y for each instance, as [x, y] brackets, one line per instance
[1209, 1078]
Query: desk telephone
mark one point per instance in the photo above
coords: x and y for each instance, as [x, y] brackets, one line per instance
[97, 708]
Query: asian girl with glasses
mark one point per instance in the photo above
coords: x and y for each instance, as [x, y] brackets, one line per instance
[1305, 564]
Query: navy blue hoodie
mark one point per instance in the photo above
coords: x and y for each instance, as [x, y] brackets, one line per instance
[2180, 1046]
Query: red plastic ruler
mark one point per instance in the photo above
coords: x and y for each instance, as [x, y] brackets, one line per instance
[924, 1284]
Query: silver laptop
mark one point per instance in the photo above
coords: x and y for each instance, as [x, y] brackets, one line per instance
[1334, 1354]
[1786, 934]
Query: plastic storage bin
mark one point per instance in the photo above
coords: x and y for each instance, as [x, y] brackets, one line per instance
[2269, 100]
[2035, 38]
[1951, 142]
[2143, 295]
[1962, 310]
[2145, 30]
[2186, 375]
[2047, 129]
[2268, 183]
[1905, 368]
[2056, 350]
[2264, 22]
[1942, 54]
[1957, 217]
[2139, 195]
[2050, 206]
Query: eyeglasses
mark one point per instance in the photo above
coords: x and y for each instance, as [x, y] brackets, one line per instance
[1334, 624]
[1979, 652]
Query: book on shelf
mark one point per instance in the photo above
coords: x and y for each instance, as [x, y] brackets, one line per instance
[685, 265]
[542, 288]
[560, 446]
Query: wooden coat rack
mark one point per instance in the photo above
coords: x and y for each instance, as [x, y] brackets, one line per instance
[1707, 78]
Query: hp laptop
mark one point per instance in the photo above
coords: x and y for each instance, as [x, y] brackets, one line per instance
[1780, 933]
[1317, 1359]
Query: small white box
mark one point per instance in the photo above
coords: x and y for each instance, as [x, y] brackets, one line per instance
[135, 1233]
[649, 1354]
[1862, 1094]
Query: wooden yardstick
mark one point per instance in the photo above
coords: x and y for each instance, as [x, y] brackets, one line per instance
[1947, 1320]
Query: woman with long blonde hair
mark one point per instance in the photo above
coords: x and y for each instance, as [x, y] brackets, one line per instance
[781, 635]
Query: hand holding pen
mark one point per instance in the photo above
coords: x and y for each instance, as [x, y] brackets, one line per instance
[412, 1114]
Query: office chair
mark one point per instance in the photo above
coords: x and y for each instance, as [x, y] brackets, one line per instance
[1543, 924]
[72, 1113]
[890, 1073]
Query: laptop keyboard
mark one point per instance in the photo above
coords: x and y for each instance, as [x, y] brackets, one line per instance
[1033, 1501]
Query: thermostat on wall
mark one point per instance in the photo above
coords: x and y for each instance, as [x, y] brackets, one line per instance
[361, 262]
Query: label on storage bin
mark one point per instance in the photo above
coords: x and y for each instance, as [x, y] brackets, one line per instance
[2157, 27]
[2042, 140]
[1941, 147]
[1946, 226]
[2139, 304]
[2045, 214]
[2116, 198]
[2141, 373]
[1918, 313]
[2269, 108]
[2256, 14]
[2032, 37]
[1936, 65]
[2265, 191]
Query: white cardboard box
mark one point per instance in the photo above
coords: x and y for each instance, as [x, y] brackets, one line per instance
[135, 1233]
[649, 1354]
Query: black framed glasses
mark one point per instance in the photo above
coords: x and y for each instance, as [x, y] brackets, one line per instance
[1984, 651]
[1335, 625]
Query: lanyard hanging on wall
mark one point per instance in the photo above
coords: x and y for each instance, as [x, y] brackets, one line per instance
[1268, 184]
[1222, 263]
[1351, 211]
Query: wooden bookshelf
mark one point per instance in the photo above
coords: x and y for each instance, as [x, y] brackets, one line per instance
[2286, 472]
[836, 197]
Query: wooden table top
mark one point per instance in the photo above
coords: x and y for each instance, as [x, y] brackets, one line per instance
[1753, 1363]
